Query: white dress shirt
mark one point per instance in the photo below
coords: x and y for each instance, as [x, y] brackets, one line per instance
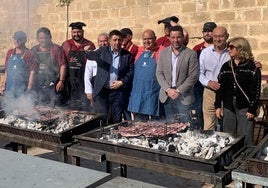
[211, 62]
[90, 71]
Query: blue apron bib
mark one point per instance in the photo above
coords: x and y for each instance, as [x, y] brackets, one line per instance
[145, 91]
[17, 76]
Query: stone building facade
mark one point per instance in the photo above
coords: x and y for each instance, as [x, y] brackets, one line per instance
[248, 18]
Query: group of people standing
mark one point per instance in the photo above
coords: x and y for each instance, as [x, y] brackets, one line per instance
[219, 78]
[41, 69]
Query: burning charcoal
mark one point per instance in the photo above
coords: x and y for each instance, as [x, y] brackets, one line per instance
[145, 143]
[176, 140]
[31, 125]
[104, 136]
[152, 142]
[171, 148]
[183, 152]
[265, 151]
[135, 141]
[192, 143]
[228, 140]
[222, 142]
[154, 146]
[123, 140]
[263, 157]
[88, 117]
[114, 134]
[161, 145]
[198, 154]
[114, 141]
[184, 146]
[217, 149]
[178, 147]
[196, 149]
[204, 152]
[210, 153]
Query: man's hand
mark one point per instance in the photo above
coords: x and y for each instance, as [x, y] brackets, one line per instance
[3, 89]
[90, 98]
[214, 85]
[249, 116]
[219, 113]
[116, 84]
[59, 86]
[173, 93]
[258, 64]
[87, 48]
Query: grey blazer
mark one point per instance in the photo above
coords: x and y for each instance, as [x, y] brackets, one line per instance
[187, 73]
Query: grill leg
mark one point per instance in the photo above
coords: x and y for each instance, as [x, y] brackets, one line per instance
[258, 135]
[123, 170]
[63, 157]
[15, 147]
[108, 166]
[75, 160]
[24, 149]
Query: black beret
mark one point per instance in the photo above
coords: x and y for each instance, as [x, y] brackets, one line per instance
[77, 25]
[168, 19]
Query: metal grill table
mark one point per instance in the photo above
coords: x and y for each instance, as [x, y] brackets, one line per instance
[219, 179]
[90, 147]
[120, 182]
[55, 142]
[25, 141]
[241, 176]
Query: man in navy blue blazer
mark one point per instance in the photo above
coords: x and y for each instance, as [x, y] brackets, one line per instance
[114, 77]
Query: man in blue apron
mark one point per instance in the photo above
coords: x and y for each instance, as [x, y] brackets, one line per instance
[144, 96]
[74, 51]
[19, 68]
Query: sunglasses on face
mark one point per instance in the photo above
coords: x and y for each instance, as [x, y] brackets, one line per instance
[231, 47]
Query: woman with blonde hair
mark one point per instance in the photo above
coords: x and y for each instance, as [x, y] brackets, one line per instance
[240, 83]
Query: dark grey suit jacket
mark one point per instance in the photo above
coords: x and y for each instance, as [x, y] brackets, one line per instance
[103, 57]
[187, 73]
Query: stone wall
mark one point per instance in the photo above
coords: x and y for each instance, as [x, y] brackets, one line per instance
[248, 18]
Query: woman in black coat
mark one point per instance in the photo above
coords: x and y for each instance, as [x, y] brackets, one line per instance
[240, 83]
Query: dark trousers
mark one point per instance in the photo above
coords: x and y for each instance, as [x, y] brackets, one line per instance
[197, 105]
[108, 100]
[237, 124]
[176, 111]
[141, 117]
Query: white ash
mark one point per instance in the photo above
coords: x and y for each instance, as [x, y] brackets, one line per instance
[63, 123]
[190, 143]
[264, 154]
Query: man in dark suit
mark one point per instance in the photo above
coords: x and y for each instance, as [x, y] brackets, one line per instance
[114, 75]
[177, 72]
